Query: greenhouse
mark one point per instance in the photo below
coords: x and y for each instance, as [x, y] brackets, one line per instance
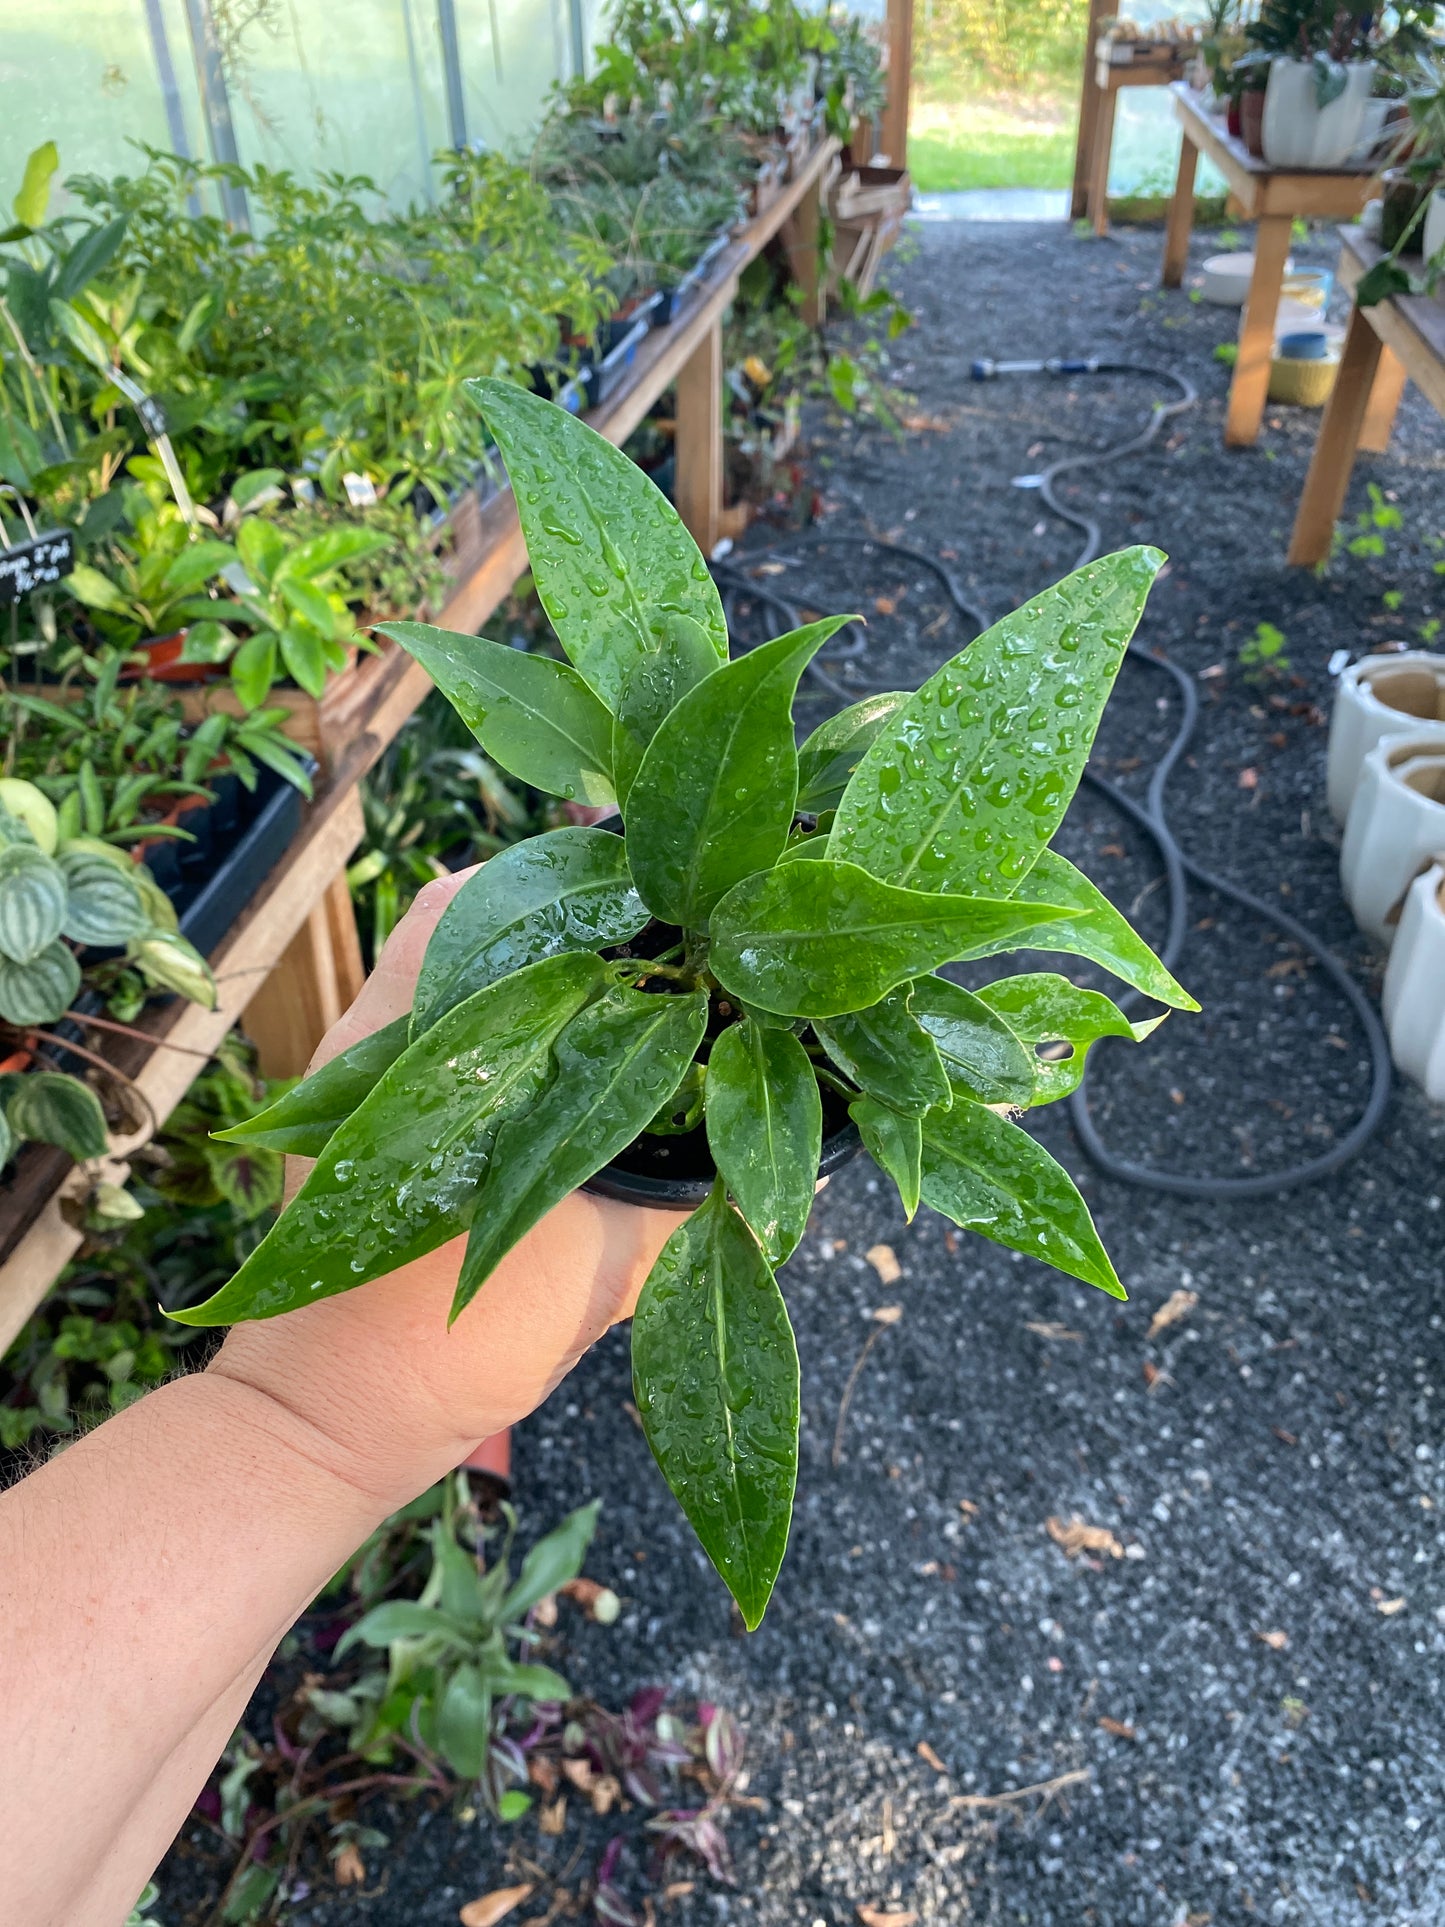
[722, 962]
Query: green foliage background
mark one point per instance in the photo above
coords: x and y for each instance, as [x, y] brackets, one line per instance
[998, 44]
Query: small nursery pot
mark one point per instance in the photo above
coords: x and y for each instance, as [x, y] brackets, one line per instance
[645, 1178]
[1251, 121]
[163, 661]
[1376, 697]
[1296, 131]
[1414, 994]
[1395, 826]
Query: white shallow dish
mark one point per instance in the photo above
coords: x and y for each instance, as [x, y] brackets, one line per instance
[1226, 279]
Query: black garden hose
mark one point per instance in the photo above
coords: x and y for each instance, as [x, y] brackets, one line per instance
[1149, 816]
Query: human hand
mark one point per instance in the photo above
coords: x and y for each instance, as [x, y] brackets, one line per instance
[376, 1370]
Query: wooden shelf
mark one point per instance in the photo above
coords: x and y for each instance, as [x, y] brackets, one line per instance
[1398, 340]
[298, 905]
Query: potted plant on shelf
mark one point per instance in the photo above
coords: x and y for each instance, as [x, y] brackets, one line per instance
[1413, 214]
[718, 1002]
[1320, 76]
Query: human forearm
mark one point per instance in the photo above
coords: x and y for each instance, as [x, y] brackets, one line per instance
[146, 1574]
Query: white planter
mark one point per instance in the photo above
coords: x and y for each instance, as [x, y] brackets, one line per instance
[1396, 826]
[1414, 998]
[1434, 233]
[1376, 697]
[1297, 131]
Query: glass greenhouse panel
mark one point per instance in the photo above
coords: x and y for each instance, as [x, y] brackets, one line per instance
[511, 52]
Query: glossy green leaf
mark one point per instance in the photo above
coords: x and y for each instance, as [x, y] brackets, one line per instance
[533, 715]
[818, 939]
[401, 1175]
[971, 778]
[197, 563]
[715, 1377]
[610, 555]
[1094, 929]
[895, 1144]
[396, 1619]
[651, 689]
[552, 1561]
[60, 1110]
[683, 1110]
[616, 1062]
[303, 1121]
[464, 1721]
[990, 1176]
[765, 1131]
[981, 1055]
[886, 1052]
[713, 800]
[564, 890]
[834, 750]
[1058, 1022]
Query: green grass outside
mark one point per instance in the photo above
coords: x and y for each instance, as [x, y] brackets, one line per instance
[990, 142]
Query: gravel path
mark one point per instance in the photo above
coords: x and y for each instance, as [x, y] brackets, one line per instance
[1232, 1702]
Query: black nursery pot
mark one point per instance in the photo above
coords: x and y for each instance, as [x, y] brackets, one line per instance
[677, 1173]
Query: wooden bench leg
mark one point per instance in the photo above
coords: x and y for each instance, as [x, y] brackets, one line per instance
[1099, 172]
[1181, 216]
[1250, 387]
[1335, 447]
[317, 978]
[700, 440]
[1385, 393]
[801, 235]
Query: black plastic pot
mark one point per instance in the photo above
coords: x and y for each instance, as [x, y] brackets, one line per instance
[209, 903]
[644, 1178]
[671, 302]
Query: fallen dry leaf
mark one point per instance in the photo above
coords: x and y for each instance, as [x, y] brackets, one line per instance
[1076, 1537]
[1049, 1328]
[544, 1613]
[1276, 1641]
[926, 1753]
[1177, 1305]
[885, 605]
[887, 1314]
[678, 1889]
[542, 1772]
[606, 1792]
[496, 1905]
[887, 1916]
[580, 1773]
[350, 1868]
[884, 1262]
[554, 1818]
[1117, 1728]
[1389, 1607]
[599, 1602]
[968, 1508]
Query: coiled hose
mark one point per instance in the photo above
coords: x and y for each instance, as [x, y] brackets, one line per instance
[1149, 816]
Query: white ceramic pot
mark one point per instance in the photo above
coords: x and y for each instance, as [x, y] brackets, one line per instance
[1396, 826]
[1414, 998]
[1434, 231]
[1297, 131]
[1376, 697]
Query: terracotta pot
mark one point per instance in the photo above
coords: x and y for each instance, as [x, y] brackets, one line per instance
[494, 1456]
[1251, 120]
[1231, 117]
[163, 662]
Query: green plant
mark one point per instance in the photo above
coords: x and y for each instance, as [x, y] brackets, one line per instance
[433, 803]
[1263, 657]
[758, 951]
[1327, 33]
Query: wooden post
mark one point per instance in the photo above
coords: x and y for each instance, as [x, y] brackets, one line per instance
[1250, 387]
[1103, 147]
[1385, 393]
[801, 235]
[893, 125]
[1181, 216]
[1339, 438]
[318, 977]
[700, 438]
[1099, 10]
